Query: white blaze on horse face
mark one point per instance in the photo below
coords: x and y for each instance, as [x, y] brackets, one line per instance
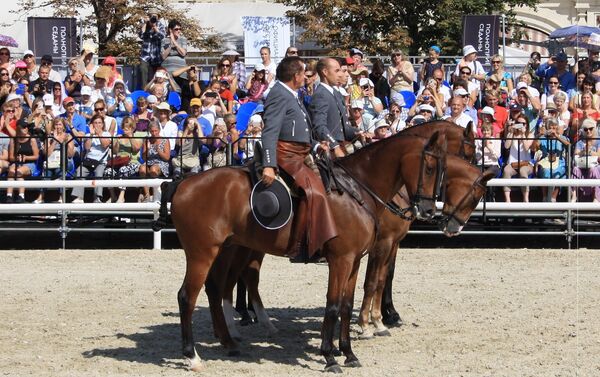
[230, 321]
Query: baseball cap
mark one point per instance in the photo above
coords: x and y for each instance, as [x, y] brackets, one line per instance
[418, 119]
[355, 51]
[349, 61]
[381, 123]
[515, 107]
[255, 119]
[365, 81]
[20, 64]
[426, 107]
[461, 92]
[489, 111]
[436, 48]
[86, 91]
[196, 102]
[12, 97]
[47, 58]
[260, 67]
[151, 99]
[522, 85]
[48, 99]
[551, 106]
[357, 104]
[28, 53]
[160, 74]
[561, 57]
[68, 100]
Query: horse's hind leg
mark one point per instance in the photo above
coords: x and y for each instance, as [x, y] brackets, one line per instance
[370, 286]
[251, 275]
[241, 306]
[195, 276]
[346, 316]
[380, 328]
[214, 291]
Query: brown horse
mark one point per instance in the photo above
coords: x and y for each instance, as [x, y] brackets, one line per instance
[460, 142]
[458, 206]
[212, 209]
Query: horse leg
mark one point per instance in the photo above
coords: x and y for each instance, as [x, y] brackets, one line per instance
[228, 310]
[214, 290]
[380, 328]
[251, 275]
[369, 288]
[240, 304]
[346, 316]
[195, 276]
[389, 313]
[339, 273]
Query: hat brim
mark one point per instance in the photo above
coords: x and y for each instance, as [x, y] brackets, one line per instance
[284, 214]
[156, 108]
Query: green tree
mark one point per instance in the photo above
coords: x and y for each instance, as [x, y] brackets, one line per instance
[113, 24]
[378, 26]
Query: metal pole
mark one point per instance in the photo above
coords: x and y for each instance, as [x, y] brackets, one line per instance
[63, 194]
[503, 39]
[293, 31]
[157, 240]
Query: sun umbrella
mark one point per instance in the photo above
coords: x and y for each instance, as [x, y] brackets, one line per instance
[8, 41]
[578, 36]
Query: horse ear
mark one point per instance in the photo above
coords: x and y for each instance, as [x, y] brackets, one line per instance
[490, 173]
[436, 141]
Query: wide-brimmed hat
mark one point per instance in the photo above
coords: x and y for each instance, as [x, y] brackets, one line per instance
[489, 111]
[103, 72]
[271, 205]
[468, 49]
[426, 107]
[13, 96]
[162, 106]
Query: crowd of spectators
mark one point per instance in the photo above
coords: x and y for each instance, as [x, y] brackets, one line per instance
[87, 123]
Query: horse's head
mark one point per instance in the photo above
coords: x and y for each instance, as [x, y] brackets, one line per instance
[461, 141]
[465, 185]
[425, 191]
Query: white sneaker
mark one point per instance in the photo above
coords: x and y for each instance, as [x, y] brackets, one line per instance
[78, 201]
[98, 200]
[38, 201]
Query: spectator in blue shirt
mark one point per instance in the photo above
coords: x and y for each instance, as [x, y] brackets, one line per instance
[559, 67]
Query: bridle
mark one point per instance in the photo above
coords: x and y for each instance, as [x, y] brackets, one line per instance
[418, 197]
[462, 153]
[445, 218]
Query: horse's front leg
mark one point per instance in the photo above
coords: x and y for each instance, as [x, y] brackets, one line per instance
[339, 273]
[346, 316]
[370, 287]
[389, 313]
[195, 276]
[380, 328]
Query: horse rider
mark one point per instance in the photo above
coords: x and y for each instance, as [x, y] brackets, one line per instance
[328, 110]
[287, 141]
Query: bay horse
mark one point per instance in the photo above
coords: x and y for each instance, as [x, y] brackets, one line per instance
[211, 210]
[460, 141]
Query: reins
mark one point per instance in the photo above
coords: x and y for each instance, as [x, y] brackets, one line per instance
[452, 215]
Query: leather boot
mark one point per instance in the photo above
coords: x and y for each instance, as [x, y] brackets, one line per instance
[298, 247]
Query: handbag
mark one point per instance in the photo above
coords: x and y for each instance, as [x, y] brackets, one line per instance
[118, 161]
[53, 161]
[586, 162]
[518, 165]
[90, 164]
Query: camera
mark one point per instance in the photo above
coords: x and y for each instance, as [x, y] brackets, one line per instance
[211, 95]
[153, 19]
[426, 98]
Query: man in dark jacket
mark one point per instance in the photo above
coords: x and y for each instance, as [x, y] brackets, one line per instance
[287, 141]
[327, 108]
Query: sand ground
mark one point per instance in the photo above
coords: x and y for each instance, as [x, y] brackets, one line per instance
[469, 312]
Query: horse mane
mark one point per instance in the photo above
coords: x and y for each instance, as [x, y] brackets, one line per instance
[363, 153]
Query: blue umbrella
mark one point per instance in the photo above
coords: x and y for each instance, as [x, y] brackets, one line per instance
[578, 36]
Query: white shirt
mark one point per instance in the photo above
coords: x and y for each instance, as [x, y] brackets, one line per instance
[169, 130]
[463, 121]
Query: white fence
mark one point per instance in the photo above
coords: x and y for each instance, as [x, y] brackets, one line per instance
[63, 209]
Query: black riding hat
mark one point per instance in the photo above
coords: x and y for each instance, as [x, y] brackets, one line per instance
[271, 205]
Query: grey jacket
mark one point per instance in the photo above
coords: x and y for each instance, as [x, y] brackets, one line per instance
[330, 117]
[285, 118]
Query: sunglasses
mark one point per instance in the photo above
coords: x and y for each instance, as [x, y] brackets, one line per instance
[366, 87]
[177, 29]
[9, 111]
[395, 112]
[439, 79]
[4, 53]
[496, 62]
[226, 65]
[56, 88]
[99, 109]
[4, 73]
[465, 72]
[553, 82]
[588, 129]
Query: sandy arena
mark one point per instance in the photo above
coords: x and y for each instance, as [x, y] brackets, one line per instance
[467, 313]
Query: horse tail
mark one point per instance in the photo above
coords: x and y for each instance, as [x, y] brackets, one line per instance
[168, 191]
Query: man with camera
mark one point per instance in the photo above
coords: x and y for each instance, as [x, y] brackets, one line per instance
[152, 32]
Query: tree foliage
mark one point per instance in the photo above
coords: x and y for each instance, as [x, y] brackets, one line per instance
[113, 24]
[378, 26]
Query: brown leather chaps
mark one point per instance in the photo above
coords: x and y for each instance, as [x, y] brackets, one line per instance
[320, 225]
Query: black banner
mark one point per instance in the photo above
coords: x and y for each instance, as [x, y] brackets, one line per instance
[482, 32]
[52, 36]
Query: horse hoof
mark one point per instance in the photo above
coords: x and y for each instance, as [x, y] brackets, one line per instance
[352, 364]
[246, 321]
[385, 332]
[336, 352]
[333, 368]
[233, 353]
[392, 319]
[195, 364]
[366, 335]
